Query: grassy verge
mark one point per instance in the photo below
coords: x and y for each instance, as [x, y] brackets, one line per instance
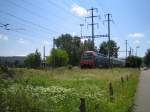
[60, 90]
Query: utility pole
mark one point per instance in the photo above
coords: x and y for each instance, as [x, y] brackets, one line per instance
[108, 23]
[130, 52]
[44, 56]
[92, 23]
[137, 49]
[126, 48]
[81, 25]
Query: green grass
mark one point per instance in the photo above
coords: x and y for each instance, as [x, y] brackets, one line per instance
[60, 90]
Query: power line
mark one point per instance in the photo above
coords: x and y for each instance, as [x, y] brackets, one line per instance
[29, 11]
[23, 29]
[29, 22]
[17, 30]
[36, 14]
[60, 7]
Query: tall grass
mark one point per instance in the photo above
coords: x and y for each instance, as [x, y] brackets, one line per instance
[60, 90]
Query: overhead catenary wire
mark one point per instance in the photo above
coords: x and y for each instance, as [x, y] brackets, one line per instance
[9, 29]
[31, 12]
[64, 9]
[34, 30]
[29, 22]
[25, 35]
[36, 14]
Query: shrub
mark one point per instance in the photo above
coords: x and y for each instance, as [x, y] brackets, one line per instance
[133, 61]
[33, 60]
[147, 58]
[58, 58]
[4, 69]
[69, 67]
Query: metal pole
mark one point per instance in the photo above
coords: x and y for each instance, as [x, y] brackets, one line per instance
[108, 15]
[92, 30]
[92, 24]
[130, 51]
[137, 49]
[44, 56]
[126, 48]
[81, 25]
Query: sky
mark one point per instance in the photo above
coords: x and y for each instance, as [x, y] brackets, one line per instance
[34, 23]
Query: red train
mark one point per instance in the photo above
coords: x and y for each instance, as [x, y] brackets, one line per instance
[93, 59]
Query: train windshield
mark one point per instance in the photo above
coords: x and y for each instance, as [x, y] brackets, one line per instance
[87, 56]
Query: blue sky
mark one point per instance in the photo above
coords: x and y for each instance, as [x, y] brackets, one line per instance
[35, 23]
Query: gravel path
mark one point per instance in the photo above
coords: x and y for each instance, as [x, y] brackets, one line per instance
[142, 102]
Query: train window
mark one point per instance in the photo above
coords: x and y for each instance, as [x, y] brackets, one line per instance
[87, 56]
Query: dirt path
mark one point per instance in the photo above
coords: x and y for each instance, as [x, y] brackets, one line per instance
[142, 102]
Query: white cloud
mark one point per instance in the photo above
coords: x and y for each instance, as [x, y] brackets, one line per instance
[80, 11]
[23, 41]
[136, 41]
[3, 37]
[136, 35]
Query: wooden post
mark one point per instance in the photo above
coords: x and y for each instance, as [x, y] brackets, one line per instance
[82, 105]
[122, 80]
[111, 91]
[127, 78]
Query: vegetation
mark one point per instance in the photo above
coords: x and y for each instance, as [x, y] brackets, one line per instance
[3, 68]
[58, 58]
[60, 90]
[147, 58]
[133, 61]
[73, 46]
[113, 48]
[33, 60]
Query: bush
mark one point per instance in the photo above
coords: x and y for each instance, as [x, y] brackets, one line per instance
[133, 61]
[33, 60]
[3, 68]
[58, 58]
[69, 67]
[147, 58]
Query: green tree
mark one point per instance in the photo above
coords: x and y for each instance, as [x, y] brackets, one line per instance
[86, 45]
[133, 61]
[57, 58]
[103, 48]
[71, 45]
[147, 58]
[113, 48]
[33, 60]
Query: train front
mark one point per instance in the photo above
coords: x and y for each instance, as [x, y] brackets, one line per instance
[88, 59]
